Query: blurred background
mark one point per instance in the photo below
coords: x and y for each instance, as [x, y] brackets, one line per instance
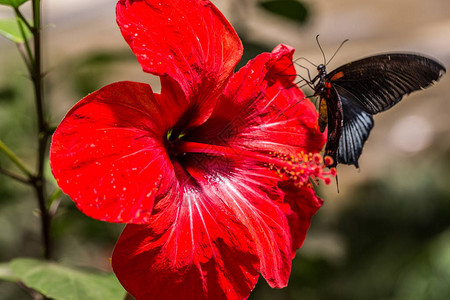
[385, 235]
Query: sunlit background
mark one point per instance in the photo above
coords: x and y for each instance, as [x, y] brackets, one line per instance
[385, 235]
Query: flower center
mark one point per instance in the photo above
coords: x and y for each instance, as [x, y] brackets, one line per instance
[301, 168]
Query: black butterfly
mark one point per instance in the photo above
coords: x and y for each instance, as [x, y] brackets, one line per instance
[352, 93]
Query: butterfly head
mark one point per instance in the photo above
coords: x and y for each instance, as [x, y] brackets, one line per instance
[322, 69]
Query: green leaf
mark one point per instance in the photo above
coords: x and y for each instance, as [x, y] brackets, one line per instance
[6, 273]
[67, 283]
[10, 29]
[13, 3]
[291, 9]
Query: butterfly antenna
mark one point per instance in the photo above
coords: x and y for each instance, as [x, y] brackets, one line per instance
[342, 44]
[321, 50]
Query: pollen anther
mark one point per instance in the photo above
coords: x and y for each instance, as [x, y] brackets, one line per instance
[302, 168]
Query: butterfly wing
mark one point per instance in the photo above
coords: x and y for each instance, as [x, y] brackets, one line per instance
[355, 130]
[379, 82]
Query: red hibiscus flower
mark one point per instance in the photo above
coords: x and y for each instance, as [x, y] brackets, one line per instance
[212, 175]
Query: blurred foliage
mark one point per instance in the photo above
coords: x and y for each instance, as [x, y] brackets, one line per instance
[251, 50]
[87, 70]
[291, 9]
[7, 94]
[67, 283]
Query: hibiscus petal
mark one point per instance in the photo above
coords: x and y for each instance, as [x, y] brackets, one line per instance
[189, 40]
[291, 125]
[300, 205]
[266, 223]
[207, 240]
[108, 154]
[191, 250]
[293, 119]
[262, 109]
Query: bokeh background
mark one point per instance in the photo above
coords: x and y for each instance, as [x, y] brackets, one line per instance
[385, 235]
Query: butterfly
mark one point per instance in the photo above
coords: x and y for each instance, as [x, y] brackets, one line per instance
[351, 94]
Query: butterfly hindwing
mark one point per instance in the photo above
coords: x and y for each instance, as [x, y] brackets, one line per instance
[379, 82]
[355, 130]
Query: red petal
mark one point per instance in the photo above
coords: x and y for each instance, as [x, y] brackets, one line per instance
[206, 242]
[262, 109]
[189, 251]
[146, 268]
[293, 118]
[108, 153]
[301, 204]
[254, 204]
[189, 40]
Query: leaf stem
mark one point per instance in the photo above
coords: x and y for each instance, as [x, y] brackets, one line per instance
[15, 159]
[25, 41]
[24, 20]
[14, 176]
[24, 57]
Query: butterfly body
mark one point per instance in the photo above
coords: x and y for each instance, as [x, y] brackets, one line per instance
[352, 93]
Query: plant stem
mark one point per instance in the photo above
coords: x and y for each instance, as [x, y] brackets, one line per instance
[39, 182]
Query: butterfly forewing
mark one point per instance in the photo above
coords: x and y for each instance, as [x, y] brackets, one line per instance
[379, 82]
